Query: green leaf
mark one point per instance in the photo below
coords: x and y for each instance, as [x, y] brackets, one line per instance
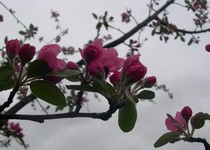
[38, 68]
[65, 73]
[105, 87]
[166, 138]
[48, 92]
[95, 16]
[98, 26]
[22, 32]
[146, 94]
[127, 117]
[6, 73]
[7, 85]
[198, 120]
[87, 88]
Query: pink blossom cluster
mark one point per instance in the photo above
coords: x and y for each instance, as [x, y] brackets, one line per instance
[125, 17]
[14, 128]
[180, 123]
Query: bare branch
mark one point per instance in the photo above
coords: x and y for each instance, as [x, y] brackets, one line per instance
[139, 26]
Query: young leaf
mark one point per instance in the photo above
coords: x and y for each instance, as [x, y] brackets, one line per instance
[166, 138]
[48, 92]
[6, 73]
[127, 117]
[198, 120]
[95, 16]
[146, 94]
[38, 68]
[7, 85]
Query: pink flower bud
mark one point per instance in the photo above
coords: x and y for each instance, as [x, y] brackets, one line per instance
[134, 69]
[12, 48]
[92, 52]
[207, 47]
[150, 81]
[72, 65]
[186, 113]
[96, 69]
[26, 53]
[115, 78]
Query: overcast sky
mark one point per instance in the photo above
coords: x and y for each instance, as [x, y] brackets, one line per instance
[185, 70]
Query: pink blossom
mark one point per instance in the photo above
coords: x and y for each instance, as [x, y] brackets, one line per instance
[72, 65]
[109, 59]
[175, 125]
[115, 78]
[207, 47]
[92, 51]
[96, 69]
[186, 113]
[134, 69]
[12, 48]
[125, 17]
[150, 81]
[26, 53]
[49, 54]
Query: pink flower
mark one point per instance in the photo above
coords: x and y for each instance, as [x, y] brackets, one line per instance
[109, 59]
[26, 53]
[186, 113]
[115, 78]
[207, 47]
[150, 81]
[96, 69]
[72, 65]
[125, 17]
[49, 54]
[175, 125]
[12, 48]
[134, 69]
[92, 51]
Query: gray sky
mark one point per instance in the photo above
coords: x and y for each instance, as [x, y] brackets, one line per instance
[185, 70]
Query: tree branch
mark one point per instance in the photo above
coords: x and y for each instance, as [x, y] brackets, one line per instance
[200, 140]
[139, 26]
[41, 118]
[10, 98]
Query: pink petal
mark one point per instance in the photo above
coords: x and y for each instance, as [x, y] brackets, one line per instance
[97, 43]
[61, 64]
[170, 125]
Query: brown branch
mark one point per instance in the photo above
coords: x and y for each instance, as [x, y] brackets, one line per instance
[10, 98]
[200, 140]
[192, 32]
[139, 26]
[41, 118]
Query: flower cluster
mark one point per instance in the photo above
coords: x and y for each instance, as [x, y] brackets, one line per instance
[14, 128]
[125, 17]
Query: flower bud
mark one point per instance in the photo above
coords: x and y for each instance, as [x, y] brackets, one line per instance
[12, 47]
[115, 78]
[26, 53]
[186, 113]
[72, 65]
[150, 81]
[207, 47]
[96, 69]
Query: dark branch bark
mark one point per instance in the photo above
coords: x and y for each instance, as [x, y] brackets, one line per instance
[200, 140]
[10, 99]
[14, 109]
[139, 26]
[192, 32]
[41, 118]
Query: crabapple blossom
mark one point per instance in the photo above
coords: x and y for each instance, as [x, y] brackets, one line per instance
[12, 48]
[72, 65]
[207, 47]
[179, 123]
[96, 69]
[92, 51]
[134, 69]
[150, 81]
[115, 78]
[26, 53]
